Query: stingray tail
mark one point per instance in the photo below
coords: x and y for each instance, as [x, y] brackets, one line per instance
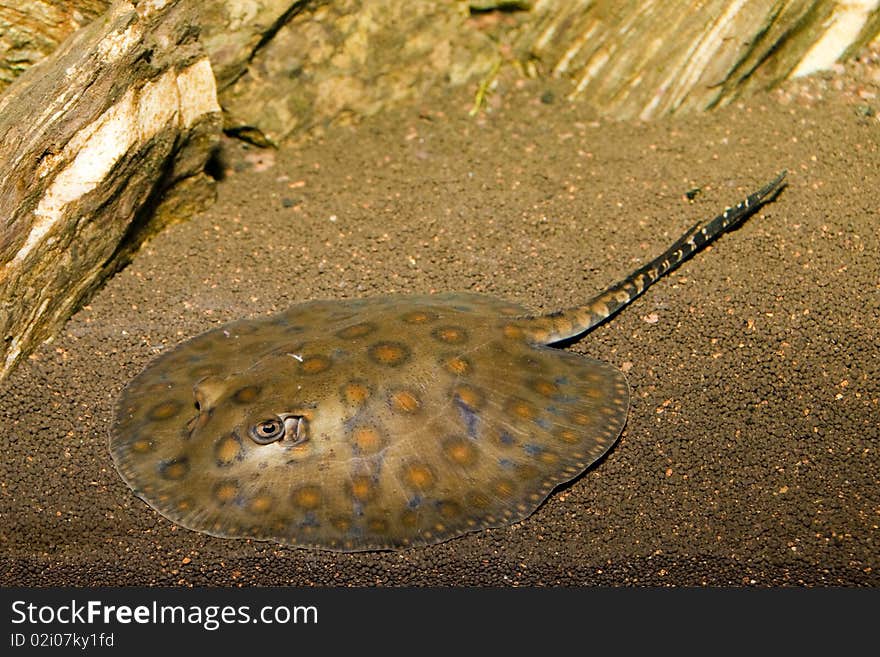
[572, 322]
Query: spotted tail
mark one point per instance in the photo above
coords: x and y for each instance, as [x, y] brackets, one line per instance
[572, 322]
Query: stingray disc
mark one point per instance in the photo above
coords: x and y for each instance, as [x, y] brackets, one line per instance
[370, 424]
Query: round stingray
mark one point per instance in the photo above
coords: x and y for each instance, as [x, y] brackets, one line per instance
[360, 425]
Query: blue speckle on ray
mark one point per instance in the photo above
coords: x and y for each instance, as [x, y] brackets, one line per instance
[506, 438]
[468, 415]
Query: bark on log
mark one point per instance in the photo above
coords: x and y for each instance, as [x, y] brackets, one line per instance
[642, 60]
[31, 29]
[285, 66]
[90, 139]
[232, 30]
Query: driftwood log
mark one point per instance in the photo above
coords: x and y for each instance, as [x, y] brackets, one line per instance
[288, 66]
[640, 59]
[119, 116]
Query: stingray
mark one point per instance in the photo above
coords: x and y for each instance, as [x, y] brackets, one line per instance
[381, 423]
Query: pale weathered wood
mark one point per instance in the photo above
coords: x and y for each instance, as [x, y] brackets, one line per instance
[90, 138]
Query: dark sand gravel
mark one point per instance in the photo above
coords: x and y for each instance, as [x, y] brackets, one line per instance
[751, 451]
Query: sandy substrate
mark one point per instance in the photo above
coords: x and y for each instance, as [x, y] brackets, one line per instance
[751, 451]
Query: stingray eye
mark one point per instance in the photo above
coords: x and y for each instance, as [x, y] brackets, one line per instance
[267, 431]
